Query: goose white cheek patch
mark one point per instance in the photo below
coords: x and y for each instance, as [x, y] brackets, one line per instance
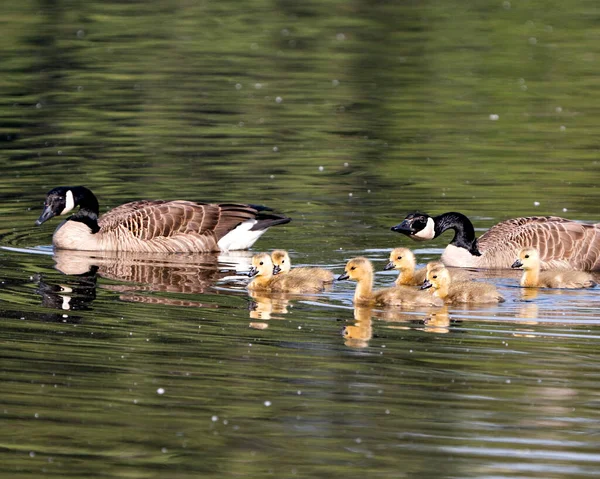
[426, 233]
[70, 203]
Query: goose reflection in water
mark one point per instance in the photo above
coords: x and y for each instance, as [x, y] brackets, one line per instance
[142, 273]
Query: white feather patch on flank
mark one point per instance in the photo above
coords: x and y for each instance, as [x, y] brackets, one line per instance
[240, 237]
[70, 203]
[426, 233]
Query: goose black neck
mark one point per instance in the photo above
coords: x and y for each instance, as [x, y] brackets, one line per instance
[464, 232]
[88, 207]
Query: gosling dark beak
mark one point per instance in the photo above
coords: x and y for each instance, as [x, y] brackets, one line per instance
[517, 264]
[252, 272]
[426, 284]
[343, 276]
[388, 266]
[276, 269]
[404, 228]
[45, 216]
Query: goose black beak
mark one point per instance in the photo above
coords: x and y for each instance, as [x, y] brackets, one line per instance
[517, 264]
[388, 266]
[404, 228]
[343, 276]
[426, 284]
[252, 272]
[45, 216]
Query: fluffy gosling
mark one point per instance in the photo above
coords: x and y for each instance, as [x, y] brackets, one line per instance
[438, 278]
[361, 270]
[529, 261]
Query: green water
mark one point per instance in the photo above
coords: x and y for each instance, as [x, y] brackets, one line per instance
[344, 116]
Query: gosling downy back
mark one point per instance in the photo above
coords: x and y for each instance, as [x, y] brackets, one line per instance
[438, 278]
[529, 261]
[360, 269]
[308, 275]
[404, 261]
[562, 243]
[154, 226]
[263, 271]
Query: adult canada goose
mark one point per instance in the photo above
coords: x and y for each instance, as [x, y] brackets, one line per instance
[262, 271]
[304, 275]
[438, 278]
[154, 226]
[529, 260]
[403, 260]
[562, 243]
[361, 270]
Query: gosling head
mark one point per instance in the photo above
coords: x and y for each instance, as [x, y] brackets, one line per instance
[401, 259]
[357, 269]
[529, 258]
[61, 200]
[261, 266]
[437, 276]
[281, 261]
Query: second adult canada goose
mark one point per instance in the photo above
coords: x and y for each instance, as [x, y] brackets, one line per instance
[529, 260]
[264, 279]
[438, 278]
[154, 226]
[403, 260]
[316, 276]
[361, 270]
[562, 243]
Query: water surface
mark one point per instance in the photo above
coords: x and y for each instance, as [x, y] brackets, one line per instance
[344, 116]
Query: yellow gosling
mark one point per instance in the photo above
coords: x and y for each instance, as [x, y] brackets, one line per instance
[529, 261]
[310, 277]
[438, 278]
[361, 270]
[403, 260]
[265, 280]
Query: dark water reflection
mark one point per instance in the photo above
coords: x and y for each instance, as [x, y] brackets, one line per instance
[344, 116]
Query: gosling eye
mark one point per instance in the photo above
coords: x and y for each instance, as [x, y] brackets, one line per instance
[399, 257]
[526, 256]
[435, 277]
[261, 263]
[353, 268]
[282, 261]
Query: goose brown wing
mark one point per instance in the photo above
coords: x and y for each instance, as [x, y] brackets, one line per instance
[147, 220]
[560, 242]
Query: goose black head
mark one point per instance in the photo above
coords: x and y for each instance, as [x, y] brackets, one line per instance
[417, 226]
[59, 201]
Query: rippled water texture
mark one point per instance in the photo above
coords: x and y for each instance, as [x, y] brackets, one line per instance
[344, 116]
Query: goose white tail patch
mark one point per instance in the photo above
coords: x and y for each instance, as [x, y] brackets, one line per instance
[426, 233]
[70, 203]
[240, 237]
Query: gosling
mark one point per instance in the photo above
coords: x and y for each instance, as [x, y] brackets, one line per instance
[403, 260]
[361, 270]
[438, 278]
[315, 278]
[262, 271]
[529, 261]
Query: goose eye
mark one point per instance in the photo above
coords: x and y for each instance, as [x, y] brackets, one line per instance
[353, 268]
[261, 263]
[434, 277]
[526, 256]
[282, 261]
[399, 257]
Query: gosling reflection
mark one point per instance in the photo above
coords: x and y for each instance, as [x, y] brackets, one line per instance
[360, 333]
[265, 305]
